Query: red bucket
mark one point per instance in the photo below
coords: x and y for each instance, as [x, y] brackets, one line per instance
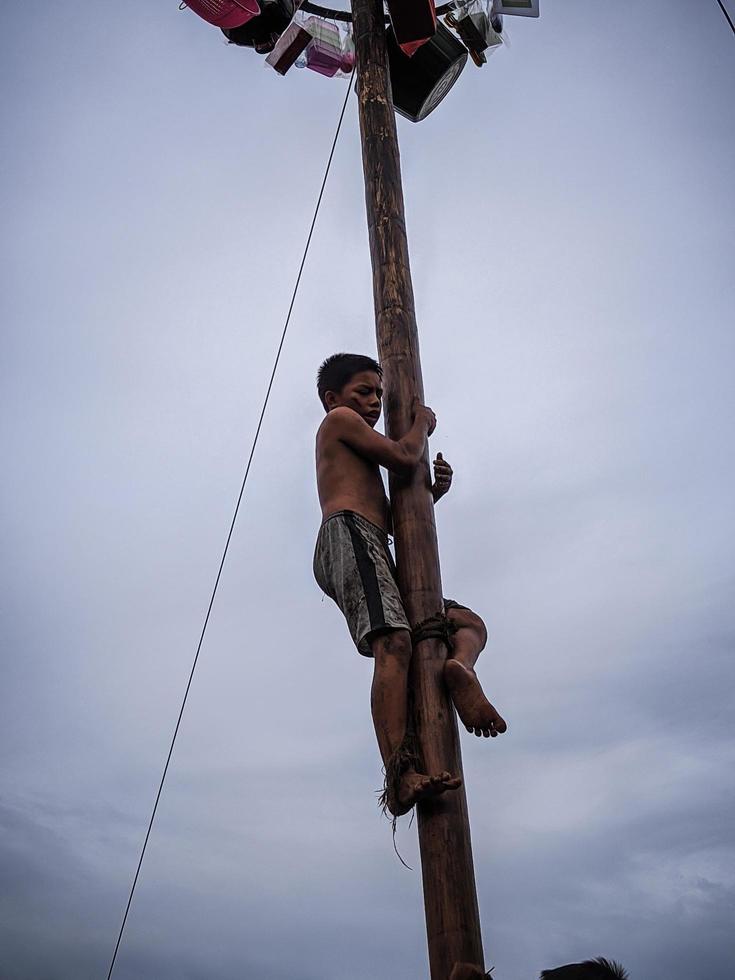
[225, 13]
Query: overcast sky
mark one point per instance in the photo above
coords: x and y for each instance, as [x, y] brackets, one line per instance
[570, 216]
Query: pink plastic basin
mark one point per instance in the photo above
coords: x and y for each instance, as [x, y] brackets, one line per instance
[225, 13]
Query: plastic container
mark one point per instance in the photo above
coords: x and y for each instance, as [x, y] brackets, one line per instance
[324, 58]
[225, 13]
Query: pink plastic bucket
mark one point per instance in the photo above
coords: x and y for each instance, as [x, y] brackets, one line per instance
[225, 13]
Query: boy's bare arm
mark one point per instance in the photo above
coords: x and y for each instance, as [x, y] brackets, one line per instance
[397, 455]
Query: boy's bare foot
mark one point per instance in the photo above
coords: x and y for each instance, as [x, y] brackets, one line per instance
[476, 712]
[415, 786]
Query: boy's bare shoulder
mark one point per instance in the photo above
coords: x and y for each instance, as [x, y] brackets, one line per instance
[342, 414]
[339, 420]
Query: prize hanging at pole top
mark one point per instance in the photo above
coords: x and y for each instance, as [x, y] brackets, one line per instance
[312, 42]
[425, 56]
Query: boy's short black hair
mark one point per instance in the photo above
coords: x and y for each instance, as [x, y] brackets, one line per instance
[338, 369]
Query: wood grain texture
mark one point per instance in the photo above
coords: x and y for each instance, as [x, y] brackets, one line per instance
[450, 898]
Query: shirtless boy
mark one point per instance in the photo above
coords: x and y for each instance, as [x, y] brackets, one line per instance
[354, 566]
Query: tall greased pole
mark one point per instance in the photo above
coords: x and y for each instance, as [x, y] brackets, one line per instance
[450, 898]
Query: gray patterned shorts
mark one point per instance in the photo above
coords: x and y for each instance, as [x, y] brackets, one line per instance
[354, 566]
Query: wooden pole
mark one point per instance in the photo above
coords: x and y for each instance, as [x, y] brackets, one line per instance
[450, 899]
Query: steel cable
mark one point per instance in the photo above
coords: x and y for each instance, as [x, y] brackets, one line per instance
[232, 526]
[727, 16]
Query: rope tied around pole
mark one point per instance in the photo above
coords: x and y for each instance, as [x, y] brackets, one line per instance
[405, 757]
[438, 627]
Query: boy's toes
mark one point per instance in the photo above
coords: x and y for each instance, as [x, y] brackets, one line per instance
[445, 780]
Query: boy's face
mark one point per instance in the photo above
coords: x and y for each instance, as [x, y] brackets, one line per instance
[363, 393]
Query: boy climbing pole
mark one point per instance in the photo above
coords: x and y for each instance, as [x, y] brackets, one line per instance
[354, 566]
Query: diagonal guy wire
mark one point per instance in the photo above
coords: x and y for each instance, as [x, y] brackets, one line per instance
[232, 527]
[727, 16]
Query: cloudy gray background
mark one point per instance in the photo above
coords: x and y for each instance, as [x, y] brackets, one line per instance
[570, 214]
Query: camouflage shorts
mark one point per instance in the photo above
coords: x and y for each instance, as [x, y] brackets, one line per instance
[354, 566]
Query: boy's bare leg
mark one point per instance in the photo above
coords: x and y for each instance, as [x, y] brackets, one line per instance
[477, 714]
[389, 704]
